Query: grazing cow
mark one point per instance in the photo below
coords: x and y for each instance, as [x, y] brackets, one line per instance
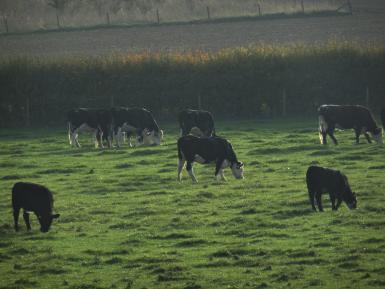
[137, 121]
[196, 118]
[99, 121]
[344, 117]
[207, 150]
[33, 198]
[322, 180]
[383, 117]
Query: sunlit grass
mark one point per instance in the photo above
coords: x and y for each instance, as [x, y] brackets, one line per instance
[127, 223]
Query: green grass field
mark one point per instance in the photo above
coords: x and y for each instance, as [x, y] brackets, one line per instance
[127, 223]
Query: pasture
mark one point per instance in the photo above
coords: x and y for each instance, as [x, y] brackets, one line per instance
[127, 223]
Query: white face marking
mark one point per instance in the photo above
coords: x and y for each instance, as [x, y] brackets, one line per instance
[195, 131]
[199, 159]
[237, 172]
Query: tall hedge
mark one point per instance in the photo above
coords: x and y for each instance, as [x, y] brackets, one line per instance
[242, 82]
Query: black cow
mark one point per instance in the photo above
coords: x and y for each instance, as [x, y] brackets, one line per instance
[383, 117]
[356, 117]
[207, 150]
[99, 121]
[322, 180]
[137, 121]
[33, 198]
[196, 118]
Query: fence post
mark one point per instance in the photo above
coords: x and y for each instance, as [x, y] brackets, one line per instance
[5, 20]
[108, 18]
[367, 97]
[302, 7]
[57, 20]
[259, 9]
[112, 102]
[27, 112]
[208, 12]
[157, 16]
[284, 102]
[350, 7]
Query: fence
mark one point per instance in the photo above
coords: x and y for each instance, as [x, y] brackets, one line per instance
[171, 11]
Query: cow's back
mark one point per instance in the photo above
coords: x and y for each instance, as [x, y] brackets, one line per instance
[32, 197]
[347, 116]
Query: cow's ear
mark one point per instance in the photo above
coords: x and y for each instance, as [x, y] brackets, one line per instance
[55, 216]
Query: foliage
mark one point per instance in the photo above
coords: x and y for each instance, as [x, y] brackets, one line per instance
[127, 223]
[240, 82]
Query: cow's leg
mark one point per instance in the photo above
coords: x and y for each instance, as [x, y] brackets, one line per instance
[357, 132]
[333, 201]
[322, 137]
[222, 175]
[367, 137]
[180, 168]
[330, 132]
[69, 134]
[16, 211]
[339, 201]
[319, 202]
[26, 220]
[190, 171]
[311, 198]
[218, 168]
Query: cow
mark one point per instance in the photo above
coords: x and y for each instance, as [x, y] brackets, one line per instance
[98, 121]
[33, 198]
[383, 117]
[208, 150]
[356, 117]
[321, 180]
[137, 121]
[196, 118]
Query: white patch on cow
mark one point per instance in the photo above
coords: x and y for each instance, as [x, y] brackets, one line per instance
[199, 159]
[180, 168]
[195, 131]
[237, 171]
[378, 137]
[191, 173]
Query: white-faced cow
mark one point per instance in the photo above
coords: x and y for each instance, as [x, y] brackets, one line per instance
[196, 118]
[33, 198]
[138, 121]
[322, 180]
[383, 117]
[208, 150]
[98, 121]
[355, 117]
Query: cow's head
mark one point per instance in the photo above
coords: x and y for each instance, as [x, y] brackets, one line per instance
[46, 221]
[152, 137]
[377, 135]
[351, 201]
[237, 169]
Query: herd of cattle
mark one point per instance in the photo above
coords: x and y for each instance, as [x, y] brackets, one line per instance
[198, 143]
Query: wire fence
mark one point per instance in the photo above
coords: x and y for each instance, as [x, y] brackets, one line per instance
[24, 16]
